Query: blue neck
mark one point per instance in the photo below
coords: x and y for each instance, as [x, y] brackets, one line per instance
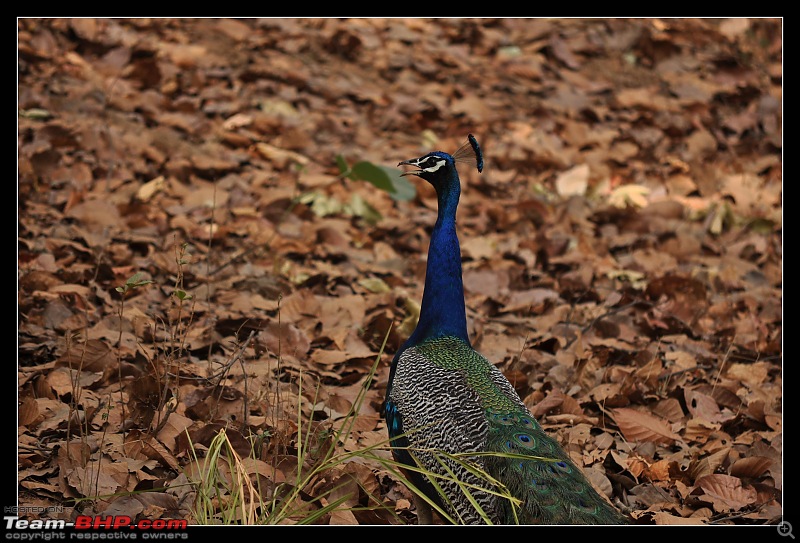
[443, 312]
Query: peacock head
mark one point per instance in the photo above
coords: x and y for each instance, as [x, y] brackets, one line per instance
[439, 168]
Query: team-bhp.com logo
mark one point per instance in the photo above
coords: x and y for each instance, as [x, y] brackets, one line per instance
[90, 527]
[85, 522]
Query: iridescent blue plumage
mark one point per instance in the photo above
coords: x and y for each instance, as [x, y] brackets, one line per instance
[478, 153]
[447, 405]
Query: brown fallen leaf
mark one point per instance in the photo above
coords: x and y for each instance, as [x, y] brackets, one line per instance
[28, 411]
[140, 445]
[725, 492]
[637, 426]
[750, 467]
[573, 182]
[702, 406]
[670, 409]
[662, 518]
[708, 465]
[661, 470]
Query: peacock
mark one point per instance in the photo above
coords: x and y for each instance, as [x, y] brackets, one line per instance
[445, 401]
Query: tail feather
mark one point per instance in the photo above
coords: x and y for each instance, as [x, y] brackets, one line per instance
[551, 488]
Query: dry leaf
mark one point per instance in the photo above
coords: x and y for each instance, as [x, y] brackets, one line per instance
[702, 406]
[665, 519]
[28, 411]
[725, 492]
[708, 465]
[750, 467]
[660, 471]
[149, 189]
[573, 182]
[629, 195]
[637, 427]
[669, 409]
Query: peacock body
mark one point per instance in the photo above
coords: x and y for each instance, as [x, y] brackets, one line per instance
[447, 406]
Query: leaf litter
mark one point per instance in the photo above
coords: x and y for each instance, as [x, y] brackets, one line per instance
[622, 251]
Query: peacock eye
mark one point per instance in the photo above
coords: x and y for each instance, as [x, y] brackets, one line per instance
[431, 164]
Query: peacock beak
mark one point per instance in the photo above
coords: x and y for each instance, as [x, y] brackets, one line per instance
[413, 162]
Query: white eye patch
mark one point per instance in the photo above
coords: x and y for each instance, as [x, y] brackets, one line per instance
[435, 164]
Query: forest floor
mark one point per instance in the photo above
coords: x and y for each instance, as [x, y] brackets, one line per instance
[192, 258]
